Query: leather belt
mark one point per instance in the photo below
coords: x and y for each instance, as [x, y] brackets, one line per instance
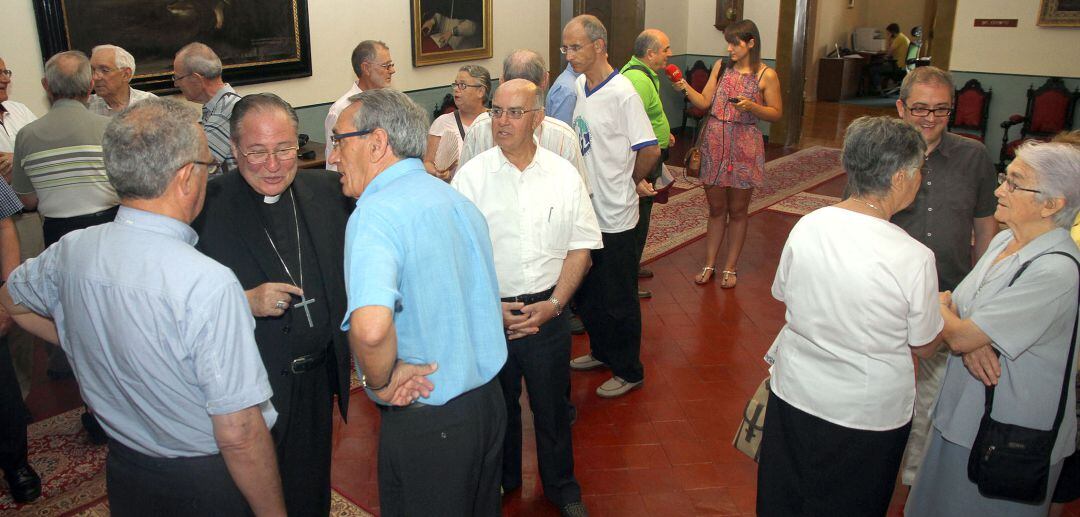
[531, 298]
[397, 409]
[305, 363]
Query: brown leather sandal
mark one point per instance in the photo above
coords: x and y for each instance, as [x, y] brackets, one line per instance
[728, 279]
[705, 276]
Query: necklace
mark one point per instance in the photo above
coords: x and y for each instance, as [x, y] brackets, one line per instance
[304, 301]
[871, 205]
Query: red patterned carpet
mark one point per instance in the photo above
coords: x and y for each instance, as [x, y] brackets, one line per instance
[803, 203]
[682, 220]
[73, 473]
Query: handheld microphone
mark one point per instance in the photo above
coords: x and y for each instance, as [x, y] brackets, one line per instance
[673, 73]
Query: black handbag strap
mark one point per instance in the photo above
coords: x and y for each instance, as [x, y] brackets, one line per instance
[460, 127]
[1072, 348]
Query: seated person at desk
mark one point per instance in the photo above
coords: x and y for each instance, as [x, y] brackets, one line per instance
[895, 62]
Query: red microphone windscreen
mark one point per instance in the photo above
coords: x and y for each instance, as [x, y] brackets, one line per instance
[673, 73]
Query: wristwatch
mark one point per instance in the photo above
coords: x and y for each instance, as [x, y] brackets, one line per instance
[558, 305]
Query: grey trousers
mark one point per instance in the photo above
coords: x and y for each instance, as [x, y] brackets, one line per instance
[928, 379]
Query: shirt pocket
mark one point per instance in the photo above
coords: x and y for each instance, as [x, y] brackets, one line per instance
[556, 229]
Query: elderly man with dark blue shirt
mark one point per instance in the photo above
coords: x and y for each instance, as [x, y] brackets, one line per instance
[423, 317]
[160, 336]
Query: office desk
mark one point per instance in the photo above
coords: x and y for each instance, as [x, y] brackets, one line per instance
[838, 78]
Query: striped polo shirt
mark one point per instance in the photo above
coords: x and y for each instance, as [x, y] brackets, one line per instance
[58, 157]
[215, 121]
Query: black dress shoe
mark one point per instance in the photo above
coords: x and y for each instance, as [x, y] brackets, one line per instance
[93, 430]
[25, 484]
[576, 326]
[644, 273]
[574, 510]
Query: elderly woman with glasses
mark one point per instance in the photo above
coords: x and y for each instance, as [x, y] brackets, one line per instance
[1027, 319]
[861, 296]
[472, 89]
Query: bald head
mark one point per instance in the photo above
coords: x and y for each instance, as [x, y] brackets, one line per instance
[653, 48]
[525, 64]
[67, 76]
[526, 93]
[515, 135]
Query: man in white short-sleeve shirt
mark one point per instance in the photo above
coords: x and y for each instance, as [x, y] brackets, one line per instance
[620, 148]
[542, 227]
[374, 68]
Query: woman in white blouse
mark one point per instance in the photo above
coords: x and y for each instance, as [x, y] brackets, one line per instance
[472, 88]
[861, 296]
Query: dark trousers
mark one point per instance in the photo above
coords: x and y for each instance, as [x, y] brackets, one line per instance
[303, 442]
[645, 204]
[12, 414]
[54, 229]
[140, 485]
[608, 305]
[812, 467]
[443, 460]
[541, 358]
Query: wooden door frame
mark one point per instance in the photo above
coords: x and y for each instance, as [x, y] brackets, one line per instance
[793, 31]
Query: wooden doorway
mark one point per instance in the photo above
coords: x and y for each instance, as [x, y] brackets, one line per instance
[623, 19]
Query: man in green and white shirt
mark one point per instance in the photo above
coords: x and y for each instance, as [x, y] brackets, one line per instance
[652, 48]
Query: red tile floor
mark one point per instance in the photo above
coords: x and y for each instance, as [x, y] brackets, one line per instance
[664, 449]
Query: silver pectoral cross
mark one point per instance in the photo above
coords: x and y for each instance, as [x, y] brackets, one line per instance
[304, 305]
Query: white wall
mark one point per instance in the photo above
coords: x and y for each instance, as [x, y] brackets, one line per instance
[834, 24]
[703, 38]
[669, 16]
[1025, 49]
[336, 27]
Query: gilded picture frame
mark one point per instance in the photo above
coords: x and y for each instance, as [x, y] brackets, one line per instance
[449, 31]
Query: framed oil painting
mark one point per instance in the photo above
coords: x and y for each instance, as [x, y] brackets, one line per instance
[1059, 13]
[257, 40]
[447, 31]
[728, 12]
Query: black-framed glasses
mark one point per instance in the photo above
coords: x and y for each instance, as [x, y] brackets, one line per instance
[261, 156]
[212, 167]
[335, 140]
[1011, 185]
[922, 112]
[7, 73]
[460, 85]
[178, 78]
[513, 113]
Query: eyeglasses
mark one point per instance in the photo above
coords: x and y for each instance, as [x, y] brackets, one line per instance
[6, 73]
[335, 140]
[1011, 185]
[257, 157]
[566, 49]
[102, 70]
[922, 112]
[464, 85]
[386, 66]
[211, 167]
[513, 113]
[177, 79]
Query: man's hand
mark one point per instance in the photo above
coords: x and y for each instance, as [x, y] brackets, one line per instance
[5, 322]
[536, 315]
[983, 364]
[645, 189]
[6, 162]
[271, 299]
[408, 382]
[513, 322]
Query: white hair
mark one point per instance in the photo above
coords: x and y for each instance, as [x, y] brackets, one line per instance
[123, 58]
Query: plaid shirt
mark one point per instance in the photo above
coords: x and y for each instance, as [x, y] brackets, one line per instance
[9, 201]
[215, 121]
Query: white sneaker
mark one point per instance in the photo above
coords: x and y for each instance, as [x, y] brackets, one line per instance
[585, 362]
[616, 387]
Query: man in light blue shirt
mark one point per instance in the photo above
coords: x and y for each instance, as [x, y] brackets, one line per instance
[160, 336]
[562, 97]
[424, 317]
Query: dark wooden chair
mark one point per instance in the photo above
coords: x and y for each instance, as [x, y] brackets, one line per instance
[447, 106]
[1049, 111]
[970, 111]
[696, 76]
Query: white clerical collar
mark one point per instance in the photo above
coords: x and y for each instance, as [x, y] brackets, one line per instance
[271, 199]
